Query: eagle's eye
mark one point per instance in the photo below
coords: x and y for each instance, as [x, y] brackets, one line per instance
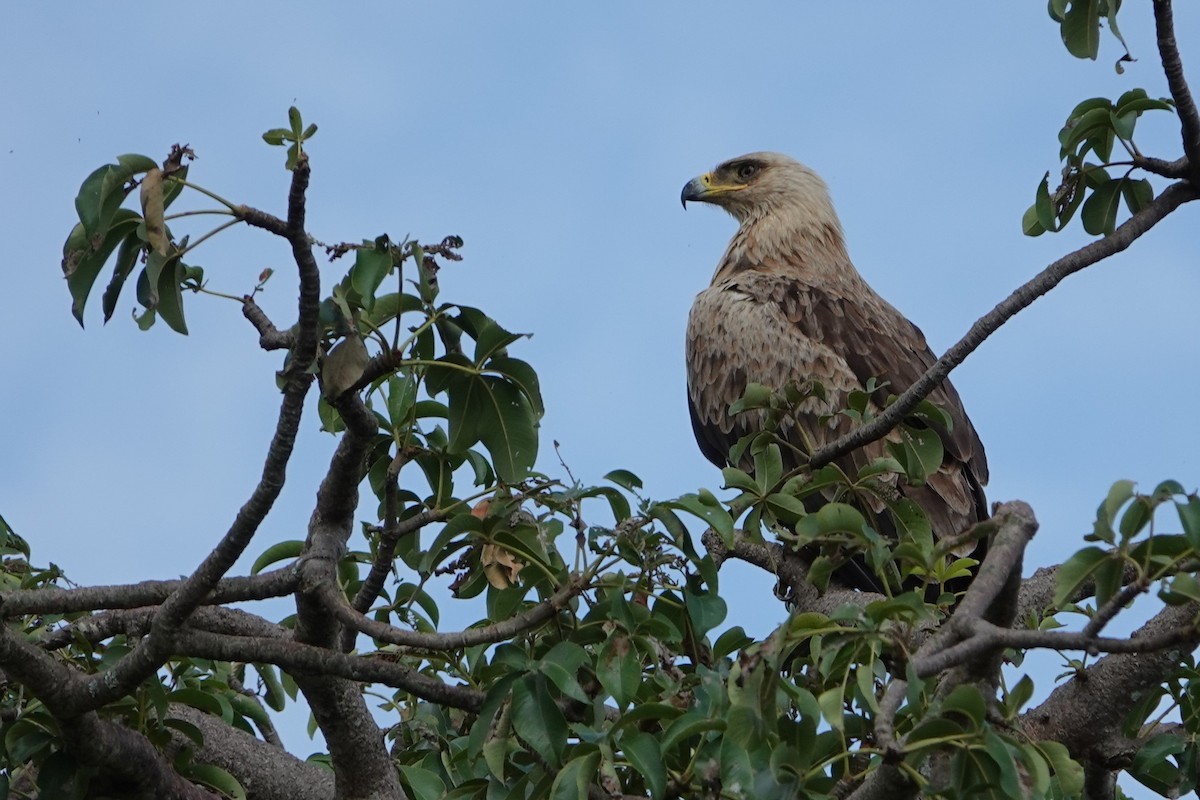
[747, 171]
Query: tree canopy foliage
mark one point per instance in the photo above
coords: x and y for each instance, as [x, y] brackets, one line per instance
[602, 663]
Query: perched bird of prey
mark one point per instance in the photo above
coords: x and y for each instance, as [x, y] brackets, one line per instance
[787, 305]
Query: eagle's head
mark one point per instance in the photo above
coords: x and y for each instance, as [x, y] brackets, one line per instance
[759, 185]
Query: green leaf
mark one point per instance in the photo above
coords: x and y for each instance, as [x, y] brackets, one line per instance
[275, 698]
[280, 551]
[561, 665]
[1100, 209]
[102, 192]
[127, 256]
[643, 753]
[1075, 571]
[832, 707]
[1189, 518]
[216, 778]
[625, 479]
[619, 669]
[296, 122]
[755, 396]
[84, 256]
[169, 293]
[523, 376]
[1118, 495]
[687, 725]
[1135, 519]
[538, 720]
[277, 136]
[967, 701]
[1137, 194]
[1043, 206]
[1067, 771]
[423, 784]
[768, 467]
[705, 506]
[489, 409]
[571, 782]
[705, 609]
[1029, 222]
[1081, 29]
[371, 266]
[1020, 694]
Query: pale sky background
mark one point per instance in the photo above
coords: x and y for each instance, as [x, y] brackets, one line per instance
[555, 138]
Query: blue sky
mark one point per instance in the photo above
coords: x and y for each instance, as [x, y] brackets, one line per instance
[554, 138]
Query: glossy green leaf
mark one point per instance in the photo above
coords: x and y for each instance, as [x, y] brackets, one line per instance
[371, 266]
[705, 506]
[1043, 206]
[687, 725]
[625, 479]
[643, 753]
[561, 665]
[213, 776]
[1189, 518]
[706, 609]
[1075, 571]
[276, 698]
[968, 701]
[1081, 28]
[1067, 771]
[1099, 213]
[104, 190]
[423, 784]
[572, 781]
[523, 376]
[1137, 194]
[84, 256]
[1029, 222]
[280, 551]
[538, 720]
[619, 669]
[127, 256]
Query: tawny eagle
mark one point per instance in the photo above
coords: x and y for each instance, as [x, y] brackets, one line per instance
[787, 305]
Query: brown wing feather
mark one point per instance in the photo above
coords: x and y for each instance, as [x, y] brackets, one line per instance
[773, 329]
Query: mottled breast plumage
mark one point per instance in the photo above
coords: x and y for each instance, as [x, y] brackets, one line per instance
[787, 305]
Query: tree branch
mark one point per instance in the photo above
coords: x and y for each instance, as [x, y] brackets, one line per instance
[336, 604]
[361, 764]
[1126, 234]
[275, 583]
[269, 773]
[1086, 712]
[155, 649]
[1185, 106]
[269, 337]
[297, 658]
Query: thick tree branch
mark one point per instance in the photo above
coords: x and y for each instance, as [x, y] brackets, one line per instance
[1185, 106]
[276, 583]
[297, 658]
[1086, 712]
[130, 765]
[1126, 234]
[121, 755]
[361, 764]
[267, 772]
